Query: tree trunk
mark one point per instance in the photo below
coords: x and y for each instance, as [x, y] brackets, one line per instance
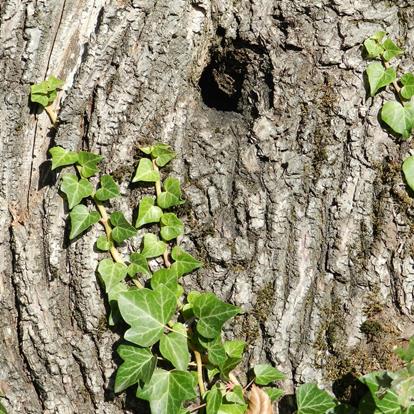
[296, 203]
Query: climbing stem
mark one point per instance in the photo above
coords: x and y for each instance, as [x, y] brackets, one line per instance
[52, 114]
[394, 83]
[200, 373]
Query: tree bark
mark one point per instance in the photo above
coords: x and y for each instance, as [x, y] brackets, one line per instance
[296, 203]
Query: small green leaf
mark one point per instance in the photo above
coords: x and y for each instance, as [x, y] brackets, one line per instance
[171, 226]
[152, 246]
[147, 150]
[236, 395]
[163, 154]
[145, 172]
[407, 354]
[75, 190]
[147, 212]
[39, 98]
[403, 385]
[102, 243]
[164, 277]
[234, 350]
[174, 347]
[378, 76]
[139, 364]
[215, 351]
[113, 295]
[312, 400]
[53, 83]
[183, 262]
[40, 88]
[212, 313]
[265, 374]
[407, 91]
[399, 118]
[61, 157]
[167, 390]
[171, 196]
[274, 393]
[45, 92]
[88, 163]
[81, 219]
[111, 272]
[122, 229]
[391, 50]
[109, 189]
[214, 400]
[138, 264]
[147, 312]
[232, 409]
[378, 36]
[373, 48]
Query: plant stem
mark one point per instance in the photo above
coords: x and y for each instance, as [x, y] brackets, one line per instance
[200, 373]
[52, 114]
[394, 83]
[108, 230]
[196, 408]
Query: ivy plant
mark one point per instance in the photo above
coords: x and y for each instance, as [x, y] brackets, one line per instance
[44, 94]
[173, 351]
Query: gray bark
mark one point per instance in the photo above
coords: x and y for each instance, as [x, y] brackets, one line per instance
[296, 202]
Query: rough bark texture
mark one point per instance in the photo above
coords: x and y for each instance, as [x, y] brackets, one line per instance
[296, 202]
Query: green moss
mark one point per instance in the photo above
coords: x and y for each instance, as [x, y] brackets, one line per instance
[264, 303]
[371, 328]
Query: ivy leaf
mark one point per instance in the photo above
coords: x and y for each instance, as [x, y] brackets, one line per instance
[45, 92]
[232, 409]
[373, 45]
[407, 91]
[53, 83]
[163, 154]
[139, 364]
[383, 398]
[164, 277]
[312, 400]
[378, 76]
[403, 386]
[391, 50]
[408, 170]
[122, 229]
[212, 313]
[61, 157]
[147, 311]
[174, 347]
[399, 118]
[214, 400]
[145, 172]
[215, 351]
[109, 189]
[147, 212]
[75, 190]
[113, 295]
[274, 393]
[102, 243]
[138, 264]
[236, 395]
[265, 374]
[88, 163]
[171, 226]
[171, 196]
[407, 354]
[167, 390]
[234, 350]
[81, 219]
[152, 246]
[183, 262]
[111, 272]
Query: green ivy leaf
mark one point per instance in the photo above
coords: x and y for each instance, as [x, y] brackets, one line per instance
[88, 163]
[407, 354]
[81, 219]
[403, 386]
[109, 189]
[236, 395]
[145, 172]
[139, 364]
[163, 154]
[45, 92]
[138, 264]
[407, 91]
[171, 226]
[373, 45]
[147, 312]
[113, 295]
[147, 212]
[391, 50]
[167, 390]
[75, 190]
[312, 400]
[408, 170]
[265, 374]
[53, 83]
[102, 243]
[122, 229]
[215, 351]
[174, 347]
[61, 157]
[164, 277]
[183, 262]
[171, 196]
[234, 350]
[378, 76]
[232, 409]
[274, 393]
[212, 313]
[399, 118]
[383, 398]
[2, 409]
[111, 273]
[152, 246]
[214, 399]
